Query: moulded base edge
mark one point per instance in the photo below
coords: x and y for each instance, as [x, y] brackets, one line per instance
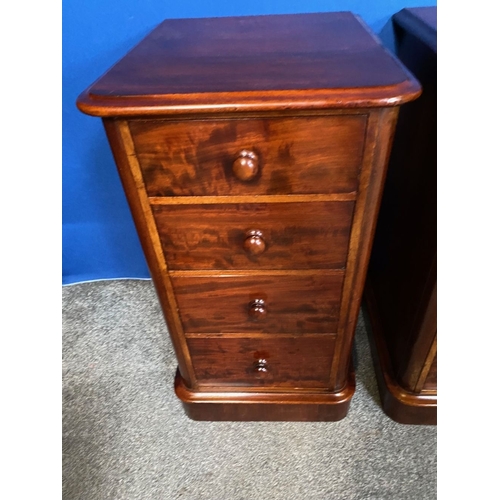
[265, 406]
[401, 405]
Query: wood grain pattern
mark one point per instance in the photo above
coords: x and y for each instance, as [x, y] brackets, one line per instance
[255, 62]
[293, 303]
[211, 200]
[294, 155]
[297, 236]
[292, 361]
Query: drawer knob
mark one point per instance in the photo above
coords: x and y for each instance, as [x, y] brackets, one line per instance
[260, 366]
[246, 166]
[254, 243]
[257, 309]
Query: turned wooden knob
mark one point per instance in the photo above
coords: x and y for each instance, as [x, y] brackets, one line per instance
[246, 166]
[260, 366]
[257, 309]
[254, 243]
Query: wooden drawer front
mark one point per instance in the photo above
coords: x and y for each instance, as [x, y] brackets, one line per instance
[295, 155]
[296, 235]
[269, 361]
[229, 304]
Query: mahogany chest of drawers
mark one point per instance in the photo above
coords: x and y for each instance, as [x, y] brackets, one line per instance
[252, 152]
[401, 289]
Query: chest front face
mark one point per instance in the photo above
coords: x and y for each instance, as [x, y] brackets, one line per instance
[252, 152]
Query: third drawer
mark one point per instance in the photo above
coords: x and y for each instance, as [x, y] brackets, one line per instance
[272, 303]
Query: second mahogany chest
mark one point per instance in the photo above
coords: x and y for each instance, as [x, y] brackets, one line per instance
[401, 289]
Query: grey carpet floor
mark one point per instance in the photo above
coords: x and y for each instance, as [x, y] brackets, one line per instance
[125, 435]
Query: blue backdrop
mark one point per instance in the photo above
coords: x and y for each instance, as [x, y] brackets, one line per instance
[99, 239]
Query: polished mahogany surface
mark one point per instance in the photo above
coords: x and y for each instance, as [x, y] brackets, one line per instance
[254, 62]
[252, 152]
[272, 361]
[319, 154]
[297, 235]
[288, 302]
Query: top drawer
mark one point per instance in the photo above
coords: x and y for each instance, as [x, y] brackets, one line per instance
[250, 157]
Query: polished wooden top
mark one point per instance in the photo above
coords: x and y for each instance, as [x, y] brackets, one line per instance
[276, 62]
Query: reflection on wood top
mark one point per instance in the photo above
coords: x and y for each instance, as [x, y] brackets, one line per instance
[255, 63]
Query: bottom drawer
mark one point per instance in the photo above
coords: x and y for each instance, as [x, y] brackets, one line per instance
[284, 361]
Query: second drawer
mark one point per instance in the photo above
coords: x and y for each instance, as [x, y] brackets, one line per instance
[273, 303]
[255, 235]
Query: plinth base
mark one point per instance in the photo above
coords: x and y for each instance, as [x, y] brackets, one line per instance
[399, 404]
[266, 406]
